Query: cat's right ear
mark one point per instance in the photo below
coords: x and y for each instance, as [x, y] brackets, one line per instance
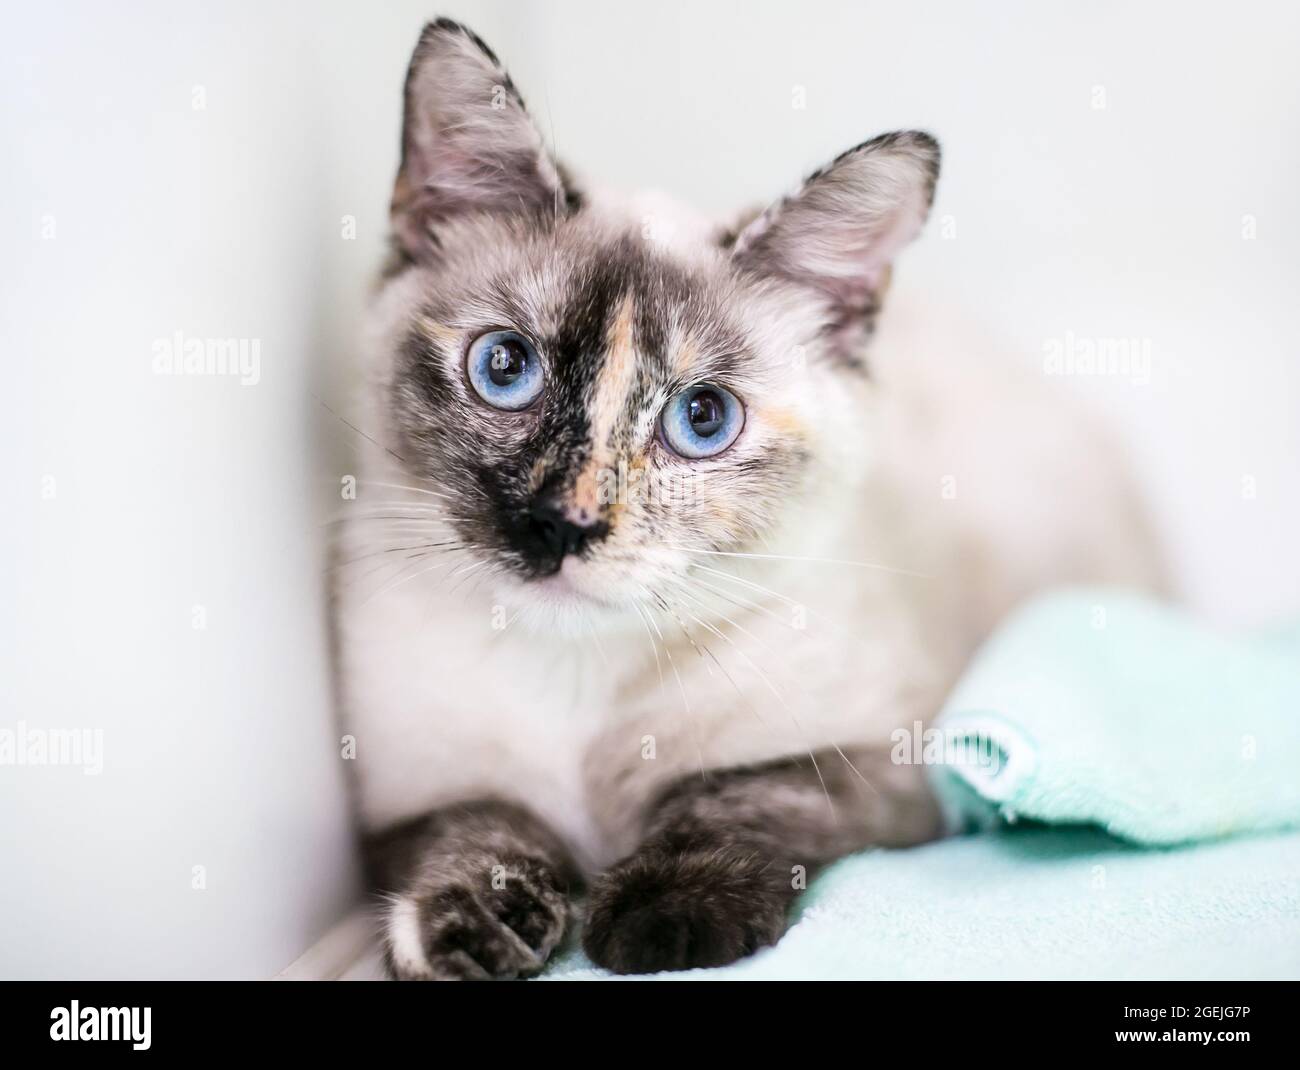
[468, 143]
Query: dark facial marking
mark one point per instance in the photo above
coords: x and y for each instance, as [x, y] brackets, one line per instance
[513, 472]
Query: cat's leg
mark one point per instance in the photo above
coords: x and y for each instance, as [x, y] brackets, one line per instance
[722, 858]
[474, 891]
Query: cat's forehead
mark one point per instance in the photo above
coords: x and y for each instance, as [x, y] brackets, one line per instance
[589, 291]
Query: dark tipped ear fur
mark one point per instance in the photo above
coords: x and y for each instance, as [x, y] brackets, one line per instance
[841, 231]
[468, 143]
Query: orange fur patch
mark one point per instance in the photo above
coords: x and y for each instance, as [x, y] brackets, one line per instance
[783, 421]
[687, 354]
[611, 389]
[440, 333]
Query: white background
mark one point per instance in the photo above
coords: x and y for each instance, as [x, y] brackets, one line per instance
[1055, 217]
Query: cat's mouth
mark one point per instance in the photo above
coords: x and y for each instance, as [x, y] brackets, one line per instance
[578, 590]
[587, 587]
[572, 582]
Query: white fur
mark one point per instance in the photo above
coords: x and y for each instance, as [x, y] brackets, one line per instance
[405, 939]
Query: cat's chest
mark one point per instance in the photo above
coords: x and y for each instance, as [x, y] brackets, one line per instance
[445, 707]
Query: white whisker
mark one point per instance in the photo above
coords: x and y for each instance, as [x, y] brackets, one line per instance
[805, 560]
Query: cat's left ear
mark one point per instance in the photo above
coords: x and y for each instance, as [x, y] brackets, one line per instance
[468, 143]
[840, 232]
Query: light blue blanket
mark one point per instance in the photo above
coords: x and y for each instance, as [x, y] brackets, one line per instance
[1038, 903]
[1092, 723]
[1111, 709]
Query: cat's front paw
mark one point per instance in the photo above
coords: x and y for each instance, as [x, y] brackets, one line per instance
[665, 909]
[479, 919]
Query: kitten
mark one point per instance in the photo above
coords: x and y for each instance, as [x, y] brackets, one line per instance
[657, 549]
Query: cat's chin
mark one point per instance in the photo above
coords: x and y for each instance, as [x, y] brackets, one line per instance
[572, 601]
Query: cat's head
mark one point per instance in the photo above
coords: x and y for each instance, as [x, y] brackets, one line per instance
[598, 395]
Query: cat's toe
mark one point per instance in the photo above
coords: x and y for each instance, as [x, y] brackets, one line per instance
[670, 910]
[501, 928]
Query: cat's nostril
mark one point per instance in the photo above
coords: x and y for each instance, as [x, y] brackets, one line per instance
[555, 535]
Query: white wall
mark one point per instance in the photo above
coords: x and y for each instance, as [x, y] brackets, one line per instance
[226, 221]
[130, 214]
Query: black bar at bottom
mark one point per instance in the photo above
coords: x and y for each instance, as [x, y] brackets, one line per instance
[660, 1020]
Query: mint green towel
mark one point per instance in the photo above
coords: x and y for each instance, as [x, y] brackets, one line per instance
[1108, 708]
[1125, 723]
[1037, 903]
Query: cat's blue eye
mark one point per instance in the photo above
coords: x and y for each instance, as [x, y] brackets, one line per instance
[702, 421]
[504, 369]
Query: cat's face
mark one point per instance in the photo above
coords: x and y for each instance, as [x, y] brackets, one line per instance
[595, 407]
